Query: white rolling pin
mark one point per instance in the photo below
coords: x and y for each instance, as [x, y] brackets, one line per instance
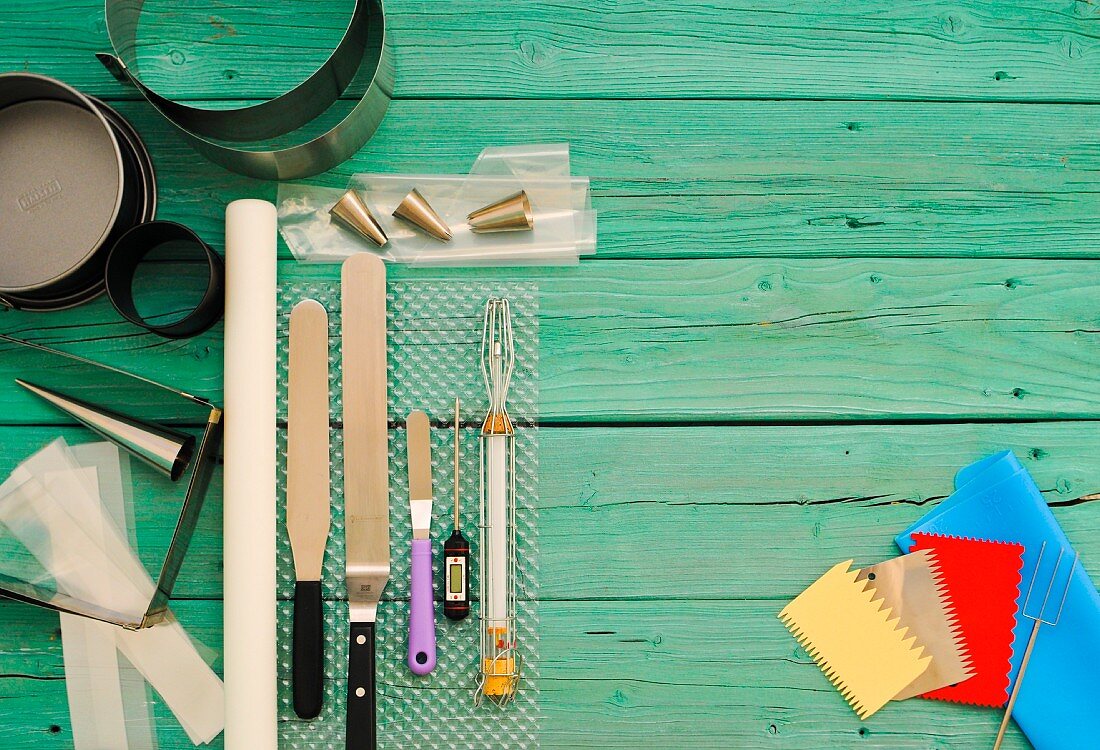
[251, 692]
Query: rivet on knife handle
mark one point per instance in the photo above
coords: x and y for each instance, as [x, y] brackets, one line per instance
[366, 479]
[307, 497]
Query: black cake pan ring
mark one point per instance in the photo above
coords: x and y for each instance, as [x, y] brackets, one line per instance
[74, 176]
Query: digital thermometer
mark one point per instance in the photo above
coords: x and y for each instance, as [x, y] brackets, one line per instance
[456, 552]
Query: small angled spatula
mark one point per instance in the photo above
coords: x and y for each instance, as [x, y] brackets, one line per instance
[421, 598]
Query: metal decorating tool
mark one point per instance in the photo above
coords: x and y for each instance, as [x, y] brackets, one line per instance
[500, 661]
[168, 451]
[1039, 618]
[421, 597]
[228, 136]
[308, 495]
[511, 214]
[134, 247]
[416, 210]
[351, 212]
[456, 550]
[366, 481]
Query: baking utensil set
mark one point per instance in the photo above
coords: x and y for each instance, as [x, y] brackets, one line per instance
[367, 503]
[935, 623]
[82, 187]
[83, 197]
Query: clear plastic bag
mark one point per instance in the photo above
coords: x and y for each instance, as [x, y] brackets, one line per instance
[564, 221]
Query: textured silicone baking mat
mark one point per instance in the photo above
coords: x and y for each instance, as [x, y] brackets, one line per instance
[434, 335]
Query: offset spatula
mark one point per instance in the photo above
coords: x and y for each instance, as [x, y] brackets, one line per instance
[366, 480]
[421, 599]
[307, 495]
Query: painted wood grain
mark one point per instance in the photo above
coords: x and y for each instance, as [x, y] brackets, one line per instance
[762, 510]
[612, 674]
[730, 340]
[682, 114]
[749, 179]
[871, 49]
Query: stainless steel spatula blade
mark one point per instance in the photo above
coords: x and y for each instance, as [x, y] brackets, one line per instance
[366, 480]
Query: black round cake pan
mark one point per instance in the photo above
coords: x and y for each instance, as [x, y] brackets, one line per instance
[74, 176]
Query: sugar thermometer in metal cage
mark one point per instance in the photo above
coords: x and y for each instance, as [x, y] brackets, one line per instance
[499, 660]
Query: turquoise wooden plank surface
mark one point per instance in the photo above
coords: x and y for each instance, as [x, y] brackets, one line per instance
[687, 166]
[720, 179]
[870, 49]
[613, 674]
[762, 509]
[732, 690]
[732, 340]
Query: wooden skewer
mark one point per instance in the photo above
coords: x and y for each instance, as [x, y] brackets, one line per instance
[1016, 688]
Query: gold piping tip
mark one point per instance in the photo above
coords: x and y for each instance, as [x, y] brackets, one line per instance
[416, 210]
[511, 214]
[352, 213]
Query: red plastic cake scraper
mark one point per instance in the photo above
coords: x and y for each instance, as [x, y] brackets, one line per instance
[983, 581]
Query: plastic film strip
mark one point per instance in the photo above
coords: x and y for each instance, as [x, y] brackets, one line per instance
[434, 332]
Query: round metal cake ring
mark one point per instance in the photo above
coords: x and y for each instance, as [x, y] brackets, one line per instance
[252, 140]
[73, 177]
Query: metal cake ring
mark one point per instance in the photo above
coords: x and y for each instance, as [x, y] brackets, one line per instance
[220, 134]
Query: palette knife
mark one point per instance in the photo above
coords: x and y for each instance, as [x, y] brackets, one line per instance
[308, 495]
[366, 481]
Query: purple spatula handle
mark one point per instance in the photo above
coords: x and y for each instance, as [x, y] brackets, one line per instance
[421, 610]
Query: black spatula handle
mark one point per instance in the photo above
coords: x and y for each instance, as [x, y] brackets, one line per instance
[309, 649]
[362, 730]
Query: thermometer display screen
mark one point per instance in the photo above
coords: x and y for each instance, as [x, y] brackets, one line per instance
[456, 578]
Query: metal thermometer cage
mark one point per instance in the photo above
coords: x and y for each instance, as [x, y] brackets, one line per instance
[499, 662]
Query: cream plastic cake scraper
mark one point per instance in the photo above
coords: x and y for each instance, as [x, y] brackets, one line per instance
[856, 641]
[912, 587]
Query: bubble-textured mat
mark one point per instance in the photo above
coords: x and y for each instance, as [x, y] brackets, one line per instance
[434, 343]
